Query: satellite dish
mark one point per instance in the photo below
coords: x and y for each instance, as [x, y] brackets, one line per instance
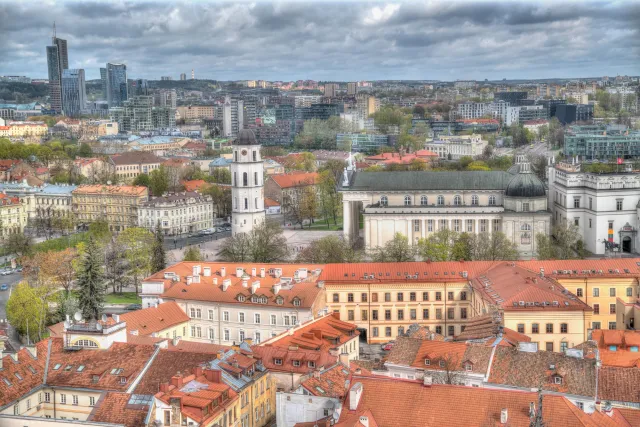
[77, 316]
[99, 326]
[104, 317]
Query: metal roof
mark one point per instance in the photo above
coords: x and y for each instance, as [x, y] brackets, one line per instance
[418, 181]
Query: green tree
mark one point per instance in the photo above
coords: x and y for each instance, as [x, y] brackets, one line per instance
[142, 180]
[220, 176]
[192, 254]
[418, 110]
[99, 230]
[397, 249]
[136, 242]
[462, 247]
[330, 198]
[265, 244]
[158, 253]
[90, 282]
[492, 247]
[28, 310]
[438, 246]
[328, 250]
[19, 244]
[85, 150]
[159, 181]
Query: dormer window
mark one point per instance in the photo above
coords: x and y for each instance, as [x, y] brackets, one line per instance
[311, 364]
[468, 367]
[277, 362]
[241, 298]
[442, 363]
[296, 363]
[427, 362]
[296, 302]
[263, 300]
[95, 378]
[279, 300]
[557, 379]
[123, 380]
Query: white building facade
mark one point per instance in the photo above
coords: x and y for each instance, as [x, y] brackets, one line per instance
[247, 180]
[179, 213]
[458, 146]
[604, 207]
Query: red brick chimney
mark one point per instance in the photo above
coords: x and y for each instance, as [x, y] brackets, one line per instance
[164, 387]
[213, 376]
[197, 371]
[176, 380]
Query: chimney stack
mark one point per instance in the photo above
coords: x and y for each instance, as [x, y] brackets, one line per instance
[344, 359]
[239, 271]
[207, 271]
[427, 381]
[253, 272]
[354, 396]
[262, 272]
[223, 271]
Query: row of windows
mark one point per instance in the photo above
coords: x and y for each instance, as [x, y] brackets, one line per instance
[196, 313]
[596, 292]
[424, 200]
[549, 328]
[596, 309]
[245, 179]
[400, 296]
[47, 399]
[412, 314]
[451, 330]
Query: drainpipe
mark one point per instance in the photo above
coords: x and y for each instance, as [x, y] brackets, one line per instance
[445, 309]
[54, 403]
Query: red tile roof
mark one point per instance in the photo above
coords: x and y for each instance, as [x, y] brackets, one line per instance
[268, 354]
[323, 333]
[270, 202]
[454, 356]
[306, 292]
[619, 384]
[20, 377]
[96, 366]
[114, 408]
[154, 320]
[331, 382]
[195, 185]
[393, 402]
[131, 190]
[295, 179]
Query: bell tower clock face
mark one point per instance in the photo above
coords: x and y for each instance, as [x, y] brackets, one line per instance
[243, 152]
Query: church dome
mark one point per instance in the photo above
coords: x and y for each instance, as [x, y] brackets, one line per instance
[245, 137]
[525, 184]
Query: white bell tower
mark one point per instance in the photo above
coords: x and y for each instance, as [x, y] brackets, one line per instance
[247, 183]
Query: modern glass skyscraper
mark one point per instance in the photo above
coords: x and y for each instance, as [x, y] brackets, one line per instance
[57, 61]
[117, 90]
[74, 94]
[103, 81]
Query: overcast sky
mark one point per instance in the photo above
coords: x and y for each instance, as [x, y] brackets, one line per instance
[338, 40]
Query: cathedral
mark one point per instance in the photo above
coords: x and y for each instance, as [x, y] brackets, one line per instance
[417, 204]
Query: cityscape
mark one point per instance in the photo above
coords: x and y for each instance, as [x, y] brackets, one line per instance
[316, 214]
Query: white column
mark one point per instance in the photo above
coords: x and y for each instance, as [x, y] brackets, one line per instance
[346, 219]
[423, 228]
[379, 230]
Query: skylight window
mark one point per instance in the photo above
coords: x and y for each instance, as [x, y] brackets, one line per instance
[18, 376]
[116, 371]
[57, 366]
[68, 367]
[6, 381]
[80, 368]
[33, 371]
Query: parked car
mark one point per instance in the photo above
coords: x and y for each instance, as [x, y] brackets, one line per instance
[4, 287]
[388, 346]
[221, 229]
[227, 228]
[6, 272]
[132, 307]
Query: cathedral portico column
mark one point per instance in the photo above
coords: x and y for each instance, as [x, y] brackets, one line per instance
[346, 219]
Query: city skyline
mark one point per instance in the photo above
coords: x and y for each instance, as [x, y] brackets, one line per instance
[337, 42]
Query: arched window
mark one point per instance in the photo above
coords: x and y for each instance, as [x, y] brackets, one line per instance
[235, 203]
[246, 203]
[525, 235]
[424, 201]
[255, 155]
[407, 200]
[255, 178]
[474, 200]
[457, 201]
[492, 200]
[384, 201]
[235, 178]
[440, 200]
[525, 227]
[245, 179]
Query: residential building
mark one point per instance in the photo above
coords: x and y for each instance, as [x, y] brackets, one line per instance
[93, 169]
[331, 89]
[366, 105]
[158, 144]
[232, 117]
[127, 166]
[231, 302]
[271, 167]
[26, 130]
[195, 112]
[57, 62]
[286, 189]
[220, 162]
[54, 198]
[301, 101]
[352, 88]
[138, 114]
[183, 76]
[383, 401]
[74, 94]
[272, 207]
[316, 111]
[13, 215]
[417, 204]
[472, 110]
[455, 147]
[116, 84]
[247, 183]
[185, 212]
[603, 206]
[385, 299]
[116, 204]
[600, 142]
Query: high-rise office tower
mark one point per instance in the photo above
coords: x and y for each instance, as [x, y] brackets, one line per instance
[103, 81]
[232, 117]
[74, 94]
[183, 76]
[57, 61]
[117, 90]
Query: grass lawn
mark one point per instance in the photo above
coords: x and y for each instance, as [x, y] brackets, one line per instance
[321, 224]
[124, 298]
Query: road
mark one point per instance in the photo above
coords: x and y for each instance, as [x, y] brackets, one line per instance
[180, 242]
[11, 280]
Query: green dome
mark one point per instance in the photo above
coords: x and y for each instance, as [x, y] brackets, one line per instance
[525, 185]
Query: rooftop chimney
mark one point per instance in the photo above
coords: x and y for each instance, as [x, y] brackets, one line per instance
[262, 272]
[504, 416]
[253, 272]
[225, 284]
[207, 271]
[276, 288]
[213, 375]
[344, 359]
[255, 286]
[223, 271]
[354, 396]
[176, 380]
[427, 380]
[239, 271]
[215, 280]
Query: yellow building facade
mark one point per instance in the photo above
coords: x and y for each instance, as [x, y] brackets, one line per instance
[13, 216]
[116, 204]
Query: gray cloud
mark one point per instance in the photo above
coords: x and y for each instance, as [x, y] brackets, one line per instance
[328, 40]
